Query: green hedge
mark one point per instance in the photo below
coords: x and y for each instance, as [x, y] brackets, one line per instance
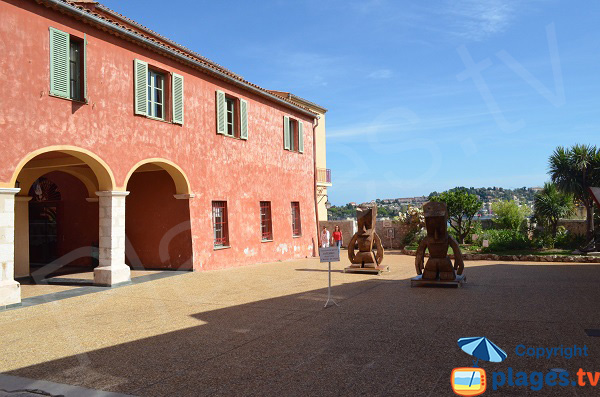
[504, 240]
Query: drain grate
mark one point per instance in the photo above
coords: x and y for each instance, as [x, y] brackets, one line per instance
[593, 332]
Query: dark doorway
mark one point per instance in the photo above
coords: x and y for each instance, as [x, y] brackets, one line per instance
[44, 217]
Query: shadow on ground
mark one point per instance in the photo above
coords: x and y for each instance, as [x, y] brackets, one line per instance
[385, 338]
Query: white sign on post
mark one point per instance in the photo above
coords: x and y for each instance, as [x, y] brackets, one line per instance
[387, 223]
[329, 254]
[486, 243]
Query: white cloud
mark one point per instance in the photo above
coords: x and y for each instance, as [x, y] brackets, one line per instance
[380, 74]
[479, 19]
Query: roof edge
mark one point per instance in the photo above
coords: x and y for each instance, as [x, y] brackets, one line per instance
[289, 95]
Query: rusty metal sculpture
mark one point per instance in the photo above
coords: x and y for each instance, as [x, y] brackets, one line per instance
[370, 250]
[438, 268]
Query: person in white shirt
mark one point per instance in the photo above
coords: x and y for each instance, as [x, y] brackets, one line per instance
[325, 237]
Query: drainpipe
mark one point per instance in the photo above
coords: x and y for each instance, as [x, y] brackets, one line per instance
[315, 169]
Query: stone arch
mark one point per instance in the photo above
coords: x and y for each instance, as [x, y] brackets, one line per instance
[182, 184]
[101, 170]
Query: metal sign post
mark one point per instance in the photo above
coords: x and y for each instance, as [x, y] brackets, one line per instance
[329, 254]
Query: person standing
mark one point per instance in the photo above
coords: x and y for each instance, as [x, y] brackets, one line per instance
[337, 237]
[325, 237]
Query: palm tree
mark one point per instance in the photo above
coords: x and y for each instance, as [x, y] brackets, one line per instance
[574, 170]
[551, 205]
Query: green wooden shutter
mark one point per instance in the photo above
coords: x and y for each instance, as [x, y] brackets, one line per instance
[221, 113]
[84, 54]
[177, 99]
[300, 137]
[286, 132]
[59, 63]
[140, 83]
[243, 119]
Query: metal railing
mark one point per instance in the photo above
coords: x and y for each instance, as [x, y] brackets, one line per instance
[324, 175]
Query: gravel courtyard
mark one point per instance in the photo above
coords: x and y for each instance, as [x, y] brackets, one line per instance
[262, 330]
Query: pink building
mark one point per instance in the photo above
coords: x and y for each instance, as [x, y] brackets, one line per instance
[124, 149]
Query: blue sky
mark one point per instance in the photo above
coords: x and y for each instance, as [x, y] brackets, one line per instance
[422, 96]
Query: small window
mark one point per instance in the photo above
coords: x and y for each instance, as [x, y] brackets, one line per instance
[293, 135]
[232, 118]
[75, 69]
[296, 225]
[156, 86]
[221, 232]
[157, 93]
[266, 225]
[67, 65]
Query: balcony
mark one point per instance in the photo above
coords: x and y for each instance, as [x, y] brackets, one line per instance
[323, 177]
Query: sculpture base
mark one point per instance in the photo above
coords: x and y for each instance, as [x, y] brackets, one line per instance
[367, 270]
[419, 282]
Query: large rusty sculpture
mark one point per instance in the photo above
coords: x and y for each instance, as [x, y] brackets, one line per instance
[370, 249]
[438, 268]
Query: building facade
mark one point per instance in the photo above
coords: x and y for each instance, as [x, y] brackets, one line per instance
[323, 174]
[122, 149]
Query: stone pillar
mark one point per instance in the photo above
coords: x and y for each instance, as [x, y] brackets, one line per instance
[112, 268]
[22, 236]
[10, 290]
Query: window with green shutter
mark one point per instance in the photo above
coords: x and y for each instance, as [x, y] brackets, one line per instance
[177, 98]
[286, 132]
[140, 72]
[300, 137]
[232, 116]
[221, 113]
[293, 135]
[153, 95]
[67, 65]
[243, 119]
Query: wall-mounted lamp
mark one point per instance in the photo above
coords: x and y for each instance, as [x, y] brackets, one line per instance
[17, 184]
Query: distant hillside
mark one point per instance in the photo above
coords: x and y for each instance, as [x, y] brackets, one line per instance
[390, 207]
[487, 194]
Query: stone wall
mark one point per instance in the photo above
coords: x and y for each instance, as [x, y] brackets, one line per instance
[399, 233]
[349, 227]
[575, 226]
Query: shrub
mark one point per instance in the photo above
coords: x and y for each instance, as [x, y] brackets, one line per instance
[568, 240]
[509, 215]
[477, 229]
[504, 240]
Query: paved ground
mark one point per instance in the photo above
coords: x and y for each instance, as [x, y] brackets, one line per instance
[68, 282]
[262, 330]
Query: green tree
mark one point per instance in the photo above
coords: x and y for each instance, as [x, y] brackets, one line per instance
[508, 214]
[462, 207]
[550, 205]
[574, 170]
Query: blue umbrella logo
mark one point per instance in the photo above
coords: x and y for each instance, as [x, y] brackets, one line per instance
[482, 349]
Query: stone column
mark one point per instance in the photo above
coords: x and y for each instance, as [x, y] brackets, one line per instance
[112, 268]
[22, 236]
[10, 290]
